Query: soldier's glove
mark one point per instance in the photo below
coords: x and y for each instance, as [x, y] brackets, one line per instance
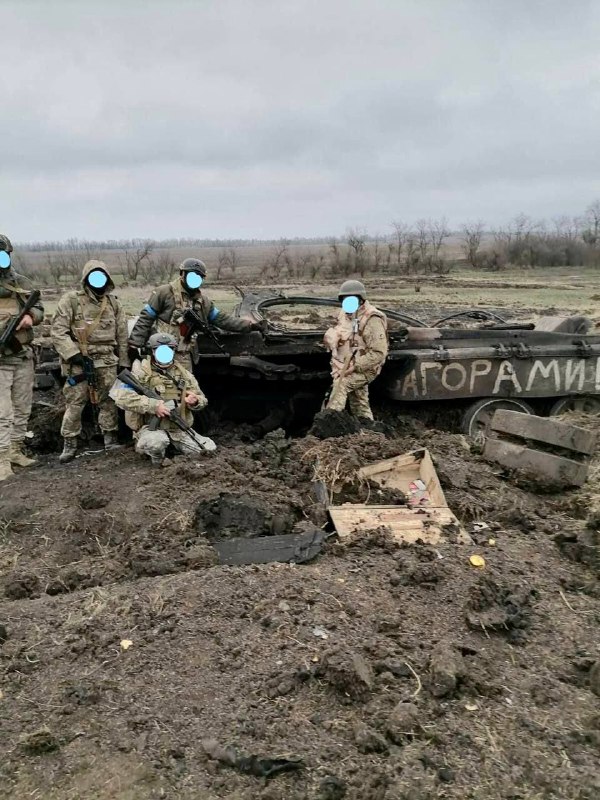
[133, 353]
[77, 360]
[261, 325]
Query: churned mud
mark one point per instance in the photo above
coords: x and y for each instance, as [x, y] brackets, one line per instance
[133, 666]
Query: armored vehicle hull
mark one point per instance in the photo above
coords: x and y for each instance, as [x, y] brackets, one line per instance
[496, 364]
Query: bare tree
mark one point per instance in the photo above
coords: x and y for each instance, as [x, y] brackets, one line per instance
[412, 253]
[56, 268]
[356, 240]
[591, 234]
[134, 258]
[335, 257]
[401, 231]
[278, 261]
[422, 231]
[377, 253]
[438, 231]
[472, 233]
[227, 260]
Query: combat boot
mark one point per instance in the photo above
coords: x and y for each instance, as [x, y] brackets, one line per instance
[5, 468]
[69, 450]
[17, 456]
[111, 442]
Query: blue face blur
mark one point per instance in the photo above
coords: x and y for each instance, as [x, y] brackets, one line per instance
[97, 279]
[164, 355]
[350, 304]
[193, 280]
[4, 259]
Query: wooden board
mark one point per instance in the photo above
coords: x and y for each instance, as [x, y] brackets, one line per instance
[426, 521]
[298, 548]
[554, 468]
[544, 429]
[400, 471]
[405, 524]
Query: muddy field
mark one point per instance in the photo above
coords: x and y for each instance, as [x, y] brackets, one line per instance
[134, 667]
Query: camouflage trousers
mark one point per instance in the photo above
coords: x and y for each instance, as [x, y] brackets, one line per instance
[354, 390]
[154, 443]
[16, 396]
[77, 396]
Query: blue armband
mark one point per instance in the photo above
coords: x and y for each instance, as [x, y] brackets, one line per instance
[150, 311]
[213, 314]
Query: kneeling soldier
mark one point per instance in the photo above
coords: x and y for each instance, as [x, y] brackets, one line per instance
[89, 332]
[176, 390]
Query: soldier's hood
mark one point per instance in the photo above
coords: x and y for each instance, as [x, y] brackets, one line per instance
[90, 267]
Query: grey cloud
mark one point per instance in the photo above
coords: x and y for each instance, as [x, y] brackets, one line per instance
[264, 118]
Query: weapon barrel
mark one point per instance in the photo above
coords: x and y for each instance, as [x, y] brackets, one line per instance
[11, 327]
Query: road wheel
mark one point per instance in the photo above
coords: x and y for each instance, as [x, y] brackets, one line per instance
[477, 419]
[583, 403]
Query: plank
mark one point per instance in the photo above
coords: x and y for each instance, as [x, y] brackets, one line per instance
[298, 548]
[554, 468]
[405, 524]
[398, 472]
[545, 429]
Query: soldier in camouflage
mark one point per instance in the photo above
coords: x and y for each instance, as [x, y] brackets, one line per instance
[16, 365]
[90, 322]
[148, 418]
[359, 348]
[164, 312]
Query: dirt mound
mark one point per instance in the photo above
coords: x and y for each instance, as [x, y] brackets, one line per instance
[376, 672]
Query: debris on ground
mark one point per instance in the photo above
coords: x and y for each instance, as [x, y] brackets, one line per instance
[545, 448]
[421, 514]
[259, 766]
[390, 670]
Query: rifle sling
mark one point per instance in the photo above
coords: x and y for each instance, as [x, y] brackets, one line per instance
[84, 337]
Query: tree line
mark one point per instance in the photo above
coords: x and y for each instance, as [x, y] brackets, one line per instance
[425, 247]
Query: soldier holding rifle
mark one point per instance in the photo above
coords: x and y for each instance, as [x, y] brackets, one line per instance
[181, 309]
[359, 348]
[20, 311]
[89, 332]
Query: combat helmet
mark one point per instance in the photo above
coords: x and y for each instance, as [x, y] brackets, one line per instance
[193, 265]
[352, 288]
[5, 243]
[158, 339]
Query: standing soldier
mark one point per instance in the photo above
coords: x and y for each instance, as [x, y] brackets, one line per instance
[359, 347]
[16, 364]
[166, 307]
[174, 388]
[89, 332]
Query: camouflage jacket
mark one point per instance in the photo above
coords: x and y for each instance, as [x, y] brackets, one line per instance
[171, 384]
[83, 321]
[164, 308]
[13, 289]
[369, 340]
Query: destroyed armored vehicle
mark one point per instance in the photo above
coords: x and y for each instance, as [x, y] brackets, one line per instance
[474, 360]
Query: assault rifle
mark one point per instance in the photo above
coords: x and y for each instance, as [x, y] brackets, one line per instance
[126, 377]
[193, 323]
[89, 375]
[7, 336]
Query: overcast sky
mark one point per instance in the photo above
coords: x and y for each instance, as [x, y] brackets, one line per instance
[265, 118]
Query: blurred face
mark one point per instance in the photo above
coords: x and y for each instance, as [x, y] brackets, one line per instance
[351, 304]
[97, 280]
[192, 281]
[164, 355]
[4, 261]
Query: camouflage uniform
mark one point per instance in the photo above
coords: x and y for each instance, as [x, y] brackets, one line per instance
[371, 347]
[163, 310]
[16, 371]
[172, 384]
[83, 321]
